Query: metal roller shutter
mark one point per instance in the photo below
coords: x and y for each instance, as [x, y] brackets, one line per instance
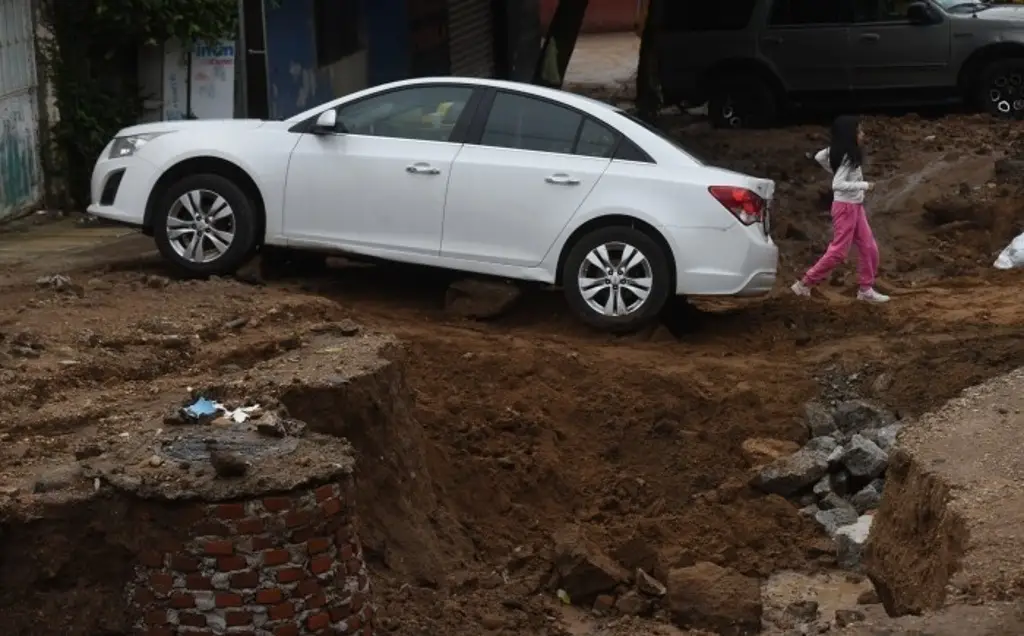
[470, 38]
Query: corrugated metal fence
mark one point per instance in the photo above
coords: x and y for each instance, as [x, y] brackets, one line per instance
[20, 169]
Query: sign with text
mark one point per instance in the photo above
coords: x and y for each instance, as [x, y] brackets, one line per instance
[212, 80]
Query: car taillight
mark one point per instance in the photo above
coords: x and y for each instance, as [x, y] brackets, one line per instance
[744, 204]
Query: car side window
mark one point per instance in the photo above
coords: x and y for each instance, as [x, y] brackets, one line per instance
[596, 140]
[880, 10]
[786, 13]
[629, 151]
[427, 113]
[525, 123]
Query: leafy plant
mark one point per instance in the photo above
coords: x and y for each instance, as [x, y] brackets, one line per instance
[92, 59]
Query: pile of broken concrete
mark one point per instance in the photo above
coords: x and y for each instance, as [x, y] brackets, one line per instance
[838, 476]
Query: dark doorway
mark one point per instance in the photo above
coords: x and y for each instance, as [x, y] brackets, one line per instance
[254, 47]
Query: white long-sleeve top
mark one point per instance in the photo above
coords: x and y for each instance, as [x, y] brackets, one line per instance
[848, 184]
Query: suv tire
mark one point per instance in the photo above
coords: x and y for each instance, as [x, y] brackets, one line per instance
[1000, 88]
[648, 273]
[742, 100]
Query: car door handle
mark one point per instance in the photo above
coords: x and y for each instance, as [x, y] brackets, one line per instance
[870, 37]
[422, 168]
[562, 179]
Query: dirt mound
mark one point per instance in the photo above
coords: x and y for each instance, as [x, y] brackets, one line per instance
[482, 442]
[939, 208]
[951, 525]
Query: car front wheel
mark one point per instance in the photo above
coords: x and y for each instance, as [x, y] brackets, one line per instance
[617, 279]
[205, 225]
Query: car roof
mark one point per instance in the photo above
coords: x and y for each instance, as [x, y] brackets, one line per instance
[522, 87]
[585, 104]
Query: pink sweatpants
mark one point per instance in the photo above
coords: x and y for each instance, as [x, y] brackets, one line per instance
[849, 227]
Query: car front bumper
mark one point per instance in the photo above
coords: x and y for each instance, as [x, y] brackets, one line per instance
[120, 188]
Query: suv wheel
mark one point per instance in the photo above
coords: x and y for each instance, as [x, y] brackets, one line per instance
[617, 279]
[1001, 88]
[742, 100]
[205, 226]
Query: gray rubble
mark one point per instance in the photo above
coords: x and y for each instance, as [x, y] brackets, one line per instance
[838, 477]
[787, 476]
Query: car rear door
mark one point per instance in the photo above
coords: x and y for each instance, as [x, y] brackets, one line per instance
[806, 41]
[887, 52]
[527, 166]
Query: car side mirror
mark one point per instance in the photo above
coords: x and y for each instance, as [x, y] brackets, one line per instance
[326, 123]
[919, 14]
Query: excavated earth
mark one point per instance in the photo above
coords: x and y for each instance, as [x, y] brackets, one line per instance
[494, 459]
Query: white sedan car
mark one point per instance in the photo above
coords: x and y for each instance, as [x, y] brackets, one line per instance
[483, 176]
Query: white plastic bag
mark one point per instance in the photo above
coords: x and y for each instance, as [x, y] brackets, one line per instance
[1012, 256]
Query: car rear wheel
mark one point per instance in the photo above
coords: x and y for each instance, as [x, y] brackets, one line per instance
[742, 100]
[205, 225]
[1001, 88]
[617, 279]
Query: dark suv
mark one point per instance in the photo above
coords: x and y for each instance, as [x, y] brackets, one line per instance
[750, 59]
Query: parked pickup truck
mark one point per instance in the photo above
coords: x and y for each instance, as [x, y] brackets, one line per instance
[752, 59]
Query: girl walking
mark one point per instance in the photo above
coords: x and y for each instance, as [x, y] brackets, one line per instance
[843, 159]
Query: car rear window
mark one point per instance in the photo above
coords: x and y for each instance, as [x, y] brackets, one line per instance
[717, 15]
[661, 133]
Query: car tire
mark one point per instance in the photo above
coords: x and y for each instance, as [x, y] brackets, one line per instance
[217, 209]
[1000, 88]
[654, 262]
[742, 100]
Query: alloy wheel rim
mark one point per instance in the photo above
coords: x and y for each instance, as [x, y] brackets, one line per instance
[200, 226]
[730, 115]
[1007, 93]
[615, 279]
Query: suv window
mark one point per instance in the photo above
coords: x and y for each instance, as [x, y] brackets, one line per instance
[525, 123]
[426, 113]
[880, 10]
[806, 12]
[719, 15]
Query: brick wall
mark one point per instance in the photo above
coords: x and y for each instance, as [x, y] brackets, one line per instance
[279, 566]
[602, 16]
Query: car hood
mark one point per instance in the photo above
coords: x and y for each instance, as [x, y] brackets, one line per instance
[1002, 13]
[190, 124]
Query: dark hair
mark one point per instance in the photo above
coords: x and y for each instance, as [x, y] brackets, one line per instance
[844, 145]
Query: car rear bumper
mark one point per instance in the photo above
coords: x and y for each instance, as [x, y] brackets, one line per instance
[738, 261]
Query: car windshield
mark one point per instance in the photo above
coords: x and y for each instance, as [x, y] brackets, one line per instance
[661, 133]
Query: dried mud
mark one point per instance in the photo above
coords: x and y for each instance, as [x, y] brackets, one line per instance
[501, 433]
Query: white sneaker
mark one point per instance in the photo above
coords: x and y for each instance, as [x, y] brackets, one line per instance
[800, 289]
[872, 296]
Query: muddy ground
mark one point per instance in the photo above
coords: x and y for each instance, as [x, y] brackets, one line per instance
[533, 422]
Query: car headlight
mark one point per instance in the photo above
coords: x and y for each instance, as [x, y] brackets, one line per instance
[128, 146]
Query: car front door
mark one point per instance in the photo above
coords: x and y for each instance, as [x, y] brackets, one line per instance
[378, 183]
[513, 192]
[887, 52]
[806, 42]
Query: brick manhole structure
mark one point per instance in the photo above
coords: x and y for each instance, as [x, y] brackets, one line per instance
[218, 527]
[268, 548]
[285, 565]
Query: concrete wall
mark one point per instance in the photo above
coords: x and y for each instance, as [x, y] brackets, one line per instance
[603, 16]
